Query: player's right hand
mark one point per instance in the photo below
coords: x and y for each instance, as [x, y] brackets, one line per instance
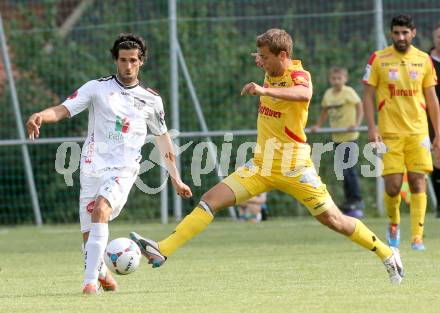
[33, 125]
[374, 136]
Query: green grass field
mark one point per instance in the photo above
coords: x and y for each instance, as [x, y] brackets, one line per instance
[292, 265]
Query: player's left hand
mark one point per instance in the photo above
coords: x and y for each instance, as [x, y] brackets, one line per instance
[436, 149]
[252, 89]
[182, 189]
[351, 128]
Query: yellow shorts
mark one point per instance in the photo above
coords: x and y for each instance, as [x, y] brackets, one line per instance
[302, 183]
[412, 152]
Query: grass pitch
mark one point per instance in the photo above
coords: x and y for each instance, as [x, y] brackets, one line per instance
[290, 265]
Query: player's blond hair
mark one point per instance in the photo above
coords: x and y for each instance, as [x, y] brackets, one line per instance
[338, 70]
[276, 40]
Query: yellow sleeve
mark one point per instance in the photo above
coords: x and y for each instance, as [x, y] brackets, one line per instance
[353, 97]
[430, 78]
[324, 102]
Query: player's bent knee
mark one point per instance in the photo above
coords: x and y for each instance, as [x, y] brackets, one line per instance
[102, 211]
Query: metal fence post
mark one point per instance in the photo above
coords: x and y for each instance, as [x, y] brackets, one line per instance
[20, 128]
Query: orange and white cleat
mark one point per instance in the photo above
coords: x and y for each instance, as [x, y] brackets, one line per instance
[108, 283]
[90, 289]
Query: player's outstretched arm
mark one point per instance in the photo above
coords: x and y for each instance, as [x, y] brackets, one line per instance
[322, 118]
[294, 93]
[167, 152]
[49, 115]
[369, 96]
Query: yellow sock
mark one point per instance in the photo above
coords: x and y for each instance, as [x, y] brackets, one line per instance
[367, 239]
[417, 212]
[190, 226]
[392, 205]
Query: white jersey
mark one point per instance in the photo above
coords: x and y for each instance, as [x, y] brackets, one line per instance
[118, 119]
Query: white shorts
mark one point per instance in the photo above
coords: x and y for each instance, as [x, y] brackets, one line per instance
[112, 184]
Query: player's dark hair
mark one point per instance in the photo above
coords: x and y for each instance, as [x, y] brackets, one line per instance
[128, 41]
[404, 20]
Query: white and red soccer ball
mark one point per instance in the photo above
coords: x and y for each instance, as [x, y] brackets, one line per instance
[122, 256]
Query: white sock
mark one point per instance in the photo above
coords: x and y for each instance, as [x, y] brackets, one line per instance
[95, 248]
[102, 268]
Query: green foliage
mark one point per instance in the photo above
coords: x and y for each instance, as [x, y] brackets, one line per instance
[216, 38]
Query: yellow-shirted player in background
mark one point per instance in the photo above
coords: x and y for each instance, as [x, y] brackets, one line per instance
[403, 79]
[281, 161]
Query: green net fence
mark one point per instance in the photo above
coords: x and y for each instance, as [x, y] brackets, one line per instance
[56, 46]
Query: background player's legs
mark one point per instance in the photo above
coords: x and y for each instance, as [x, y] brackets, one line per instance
[218, 197]
[417, 185]
[435, 177]
[392, 199]
[393, 183]
[355, 230]
[97, 239]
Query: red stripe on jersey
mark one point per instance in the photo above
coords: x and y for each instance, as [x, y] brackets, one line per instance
[372, 57]
[423, 106]
[381, 104]
[292, 135]
[300, 78]
[154, 92]
[433, 70]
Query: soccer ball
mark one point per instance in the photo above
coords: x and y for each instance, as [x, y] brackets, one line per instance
[122, 256]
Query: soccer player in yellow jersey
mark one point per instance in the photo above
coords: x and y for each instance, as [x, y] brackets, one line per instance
[281, 161]
[403, 79]
[343, 106]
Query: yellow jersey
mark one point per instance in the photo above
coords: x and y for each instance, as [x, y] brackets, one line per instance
[341, 107]
[399, 80]
[282, 122]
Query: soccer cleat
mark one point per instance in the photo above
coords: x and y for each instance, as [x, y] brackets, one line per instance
[150, 249]
[393, 235]
[108, 283]
[417, 244]
[90, 289]
[394, 266]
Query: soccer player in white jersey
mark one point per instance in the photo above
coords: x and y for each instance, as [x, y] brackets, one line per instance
[120, 110]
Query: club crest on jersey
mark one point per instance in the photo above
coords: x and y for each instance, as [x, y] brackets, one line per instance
[122, 124]
[413, 75]
[139, 103]
[393, 74]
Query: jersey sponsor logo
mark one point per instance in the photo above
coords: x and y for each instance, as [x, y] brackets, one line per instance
[73, 95]
[394, 92]
[386, 64]
[393, 74]
[268, 112]
[413, 74]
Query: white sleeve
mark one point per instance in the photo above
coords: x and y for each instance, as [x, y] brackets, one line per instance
[156, 122]
[80, 99]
